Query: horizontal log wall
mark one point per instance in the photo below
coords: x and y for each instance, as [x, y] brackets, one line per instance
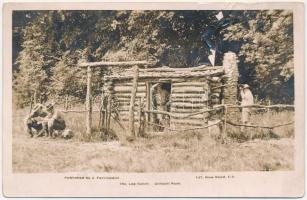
[188, 96]
[122, 96]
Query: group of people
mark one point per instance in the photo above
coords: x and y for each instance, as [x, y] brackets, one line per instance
[44, 120]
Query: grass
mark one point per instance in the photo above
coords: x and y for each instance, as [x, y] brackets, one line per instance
[169, 152]
[263, 118]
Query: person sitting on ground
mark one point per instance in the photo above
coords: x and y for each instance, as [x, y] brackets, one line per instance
[33, 122]
[53, 121]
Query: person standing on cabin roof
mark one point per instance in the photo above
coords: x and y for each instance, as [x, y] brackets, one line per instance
[246, 99]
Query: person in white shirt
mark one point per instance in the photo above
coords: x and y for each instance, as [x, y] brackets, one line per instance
[247, 98]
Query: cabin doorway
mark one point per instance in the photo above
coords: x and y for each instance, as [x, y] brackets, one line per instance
[160, 101]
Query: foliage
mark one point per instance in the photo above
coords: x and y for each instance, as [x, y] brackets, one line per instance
[266, 52]
[34, 64]
[68, 78]
[49, 44]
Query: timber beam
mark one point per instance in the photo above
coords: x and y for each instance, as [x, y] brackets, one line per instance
[106, 64]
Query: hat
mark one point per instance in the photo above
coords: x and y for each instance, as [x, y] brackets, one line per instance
[213, 95]
[245, 86]
[50, 106]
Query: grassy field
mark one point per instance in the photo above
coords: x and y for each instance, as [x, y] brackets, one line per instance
[169, 152]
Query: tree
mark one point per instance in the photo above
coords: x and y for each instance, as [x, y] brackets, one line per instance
[170, 37]
[68, 79]
[266, 53]
[31, 79]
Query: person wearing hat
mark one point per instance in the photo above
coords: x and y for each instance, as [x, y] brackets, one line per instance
[50, 109]
[247, 98]
[34, 121]
[53, 120]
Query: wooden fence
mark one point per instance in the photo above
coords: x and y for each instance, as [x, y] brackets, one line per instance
[143, 124]
[224, 120]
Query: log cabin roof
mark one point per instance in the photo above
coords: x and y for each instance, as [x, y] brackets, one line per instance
[167, 72]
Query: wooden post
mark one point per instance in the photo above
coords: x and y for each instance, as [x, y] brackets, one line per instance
[104, 124]
[148, 100]
[268, 110]
[143, 119]
[140, 116]
[31, 105]
[35, 97]
[66, 102]
[108, 107]
[224, 136]
[101, 112]
[108, 115]
[152, 116]
[132, 100]
[89, 102]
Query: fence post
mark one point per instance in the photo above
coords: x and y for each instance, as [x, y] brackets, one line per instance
[108, 114]
[107, 96]
[225, 124]
[89, 102]
[35, 97]
[66, 102]
[269, 110]
[140, 116]
[101, 112]
[105, 119]
[132, 100]
[148, 99]
[31, 104]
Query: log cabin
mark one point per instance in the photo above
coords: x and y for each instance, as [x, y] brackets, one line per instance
[173, 93]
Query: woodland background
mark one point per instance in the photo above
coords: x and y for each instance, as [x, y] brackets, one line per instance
[47, 46]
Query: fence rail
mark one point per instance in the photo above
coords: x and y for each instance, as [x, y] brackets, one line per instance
[259, 126]
[219, 107]
[216, 108]
[223, 120]
[184, 116]
[187, 129]
[260, 106]
[78, 111]
[143, 120]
